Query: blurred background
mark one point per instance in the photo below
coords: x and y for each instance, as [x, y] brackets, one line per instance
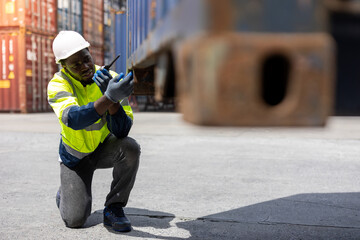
[229, 62]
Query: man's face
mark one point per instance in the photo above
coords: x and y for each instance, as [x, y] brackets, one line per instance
[80, 66]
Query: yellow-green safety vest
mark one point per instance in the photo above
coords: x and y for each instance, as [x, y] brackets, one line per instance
[63, 93]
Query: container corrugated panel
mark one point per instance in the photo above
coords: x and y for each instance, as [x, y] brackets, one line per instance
[39, 16]
[69, 13]
[143, 17]
[156, 10]
[27, 65]
[110, 10]
[9, 72]
[120, 44]
[279, 16]
[163, 7]
[151, 14]
[97, 54]
[39, 69]
[164, 23]
[139, 21]
[109, 44]
[93, 23]
[129, 27]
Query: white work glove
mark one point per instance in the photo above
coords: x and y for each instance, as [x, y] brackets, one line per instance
[102, 78]
[119, 88]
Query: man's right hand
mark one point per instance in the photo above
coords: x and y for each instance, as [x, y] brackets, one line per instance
[119, 89]
[102, 78]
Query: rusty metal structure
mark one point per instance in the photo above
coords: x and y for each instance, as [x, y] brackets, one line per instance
[238, 63]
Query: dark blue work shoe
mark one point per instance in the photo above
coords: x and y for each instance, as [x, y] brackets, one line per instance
[114, 217]
[58, 199]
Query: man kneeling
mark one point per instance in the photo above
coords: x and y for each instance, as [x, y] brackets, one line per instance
[95, 118]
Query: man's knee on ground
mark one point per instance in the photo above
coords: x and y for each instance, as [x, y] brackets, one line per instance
[75, 217]
[76, 220]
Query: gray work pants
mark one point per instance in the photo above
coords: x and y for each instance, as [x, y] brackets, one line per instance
[75, 190]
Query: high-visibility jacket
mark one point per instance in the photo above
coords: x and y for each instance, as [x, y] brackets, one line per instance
[65, 93]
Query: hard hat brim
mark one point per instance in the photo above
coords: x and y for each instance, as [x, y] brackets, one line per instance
[75, 50]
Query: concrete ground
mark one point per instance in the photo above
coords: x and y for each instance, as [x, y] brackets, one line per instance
[194, 182]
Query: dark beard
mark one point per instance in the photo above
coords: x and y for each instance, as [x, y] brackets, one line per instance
[86, 83]
[82, 82]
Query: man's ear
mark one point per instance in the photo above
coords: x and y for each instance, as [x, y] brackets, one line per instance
[63, 65]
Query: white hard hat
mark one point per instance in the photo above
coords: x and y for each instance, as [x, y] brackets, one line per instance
[66, 43]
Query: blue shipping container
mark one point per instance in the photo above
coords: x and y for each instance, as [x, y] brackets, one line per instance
[175, 20]
[280, 16]
[120, 42]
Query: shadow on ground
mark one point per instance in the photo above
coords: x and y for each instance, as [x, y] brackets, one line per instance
[302, 216]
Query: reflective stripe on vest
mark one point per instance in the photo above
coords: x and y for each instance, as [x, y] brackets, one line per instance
[93, 127]
[74, 152]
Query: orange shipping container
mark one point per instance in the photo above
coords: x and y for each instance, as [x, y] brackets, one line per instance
[39, 16]
[26, 66]
[93, 22]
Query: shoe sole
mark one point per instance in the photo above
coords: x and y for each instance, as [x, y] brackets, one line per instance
[118, 228]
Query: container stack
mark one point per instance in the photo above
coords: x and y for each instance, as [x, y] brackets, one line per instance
[27, 30]
[27, 63]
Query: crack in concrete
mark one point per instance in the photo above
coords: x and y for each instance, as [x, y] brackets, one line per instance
[219, 220]
[308, 225]
[323, 204]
